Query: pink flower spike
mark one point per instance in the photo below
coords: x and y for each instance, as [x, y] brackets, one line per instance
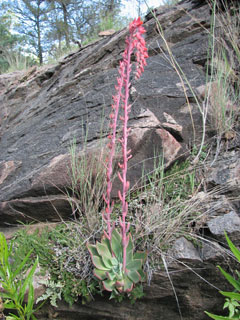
[135, 44]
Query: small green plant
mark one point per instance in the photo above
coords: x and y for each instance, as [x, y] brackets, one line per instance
[38, 242]
[53, 292]
[232, 298]
[15, 287]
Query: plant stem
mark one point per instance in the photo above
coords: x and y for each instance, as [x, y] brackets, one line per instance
[125, 151]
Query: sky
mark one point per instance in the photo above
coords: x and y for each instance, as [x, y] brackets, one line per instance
[131, 7]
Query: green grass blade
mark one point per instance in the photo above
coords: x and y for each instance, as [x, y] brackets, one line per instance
[232, 295]
[234, 249]
[213, 316]
[22, 264]
[9, 305]
[230, 279]
[27, 281]
[30, 300]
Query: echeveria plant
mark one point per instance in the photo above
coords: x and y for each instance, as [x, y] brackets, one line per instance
[115, 263]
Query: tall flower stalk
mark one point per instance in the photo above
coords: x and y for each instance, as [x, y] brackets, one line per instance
[115, 263]
[134, 41]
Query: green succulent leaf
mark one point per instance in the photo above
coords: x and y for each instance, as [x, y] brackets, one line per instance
[129, 250]
[98, 263]
[109, 285]
[134, 265]
[92, 249]
[134, 276]
[114, 262]
[107, 262]
[128, 285]
[103, 250]
[107, 258]
[100, 274]
[120, 283]
[116, 244]
[107, 243]
[111, 275]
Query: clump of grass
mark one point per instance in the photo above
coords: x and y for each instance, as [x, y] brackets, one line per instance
[224, 93]
[88, 182]
[162, 209]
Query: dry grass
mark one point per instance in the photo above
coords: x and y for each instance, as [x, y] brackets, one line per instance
[224, 94]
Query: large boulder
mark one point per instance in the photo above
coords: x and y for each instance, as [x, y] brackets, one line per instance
[42, 110]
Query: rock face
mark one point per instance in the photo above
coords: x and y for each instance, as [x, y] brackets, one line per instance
[159, 303]
[41, 111]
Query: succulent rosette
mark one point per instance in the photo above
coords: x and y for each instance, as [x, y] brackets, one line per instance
[107, 258]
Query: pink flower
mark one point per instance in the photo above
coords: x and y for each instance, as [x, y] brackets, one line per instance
[136, 44]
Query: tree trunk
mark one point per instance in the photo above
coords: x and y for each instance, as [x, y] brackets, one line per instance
[39, 47]
[65, 19]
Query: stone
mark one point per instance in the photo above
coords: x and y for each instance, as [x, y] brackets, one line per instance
[7, 168]
[225, 173]
[229, 223]
[211, 251]
[38, 281]
[184, 250]
[197, 289]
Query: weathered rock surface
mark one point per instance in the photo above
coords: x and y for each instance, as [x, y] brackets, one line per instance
[225, 172]
[196, 288]
[42, 110]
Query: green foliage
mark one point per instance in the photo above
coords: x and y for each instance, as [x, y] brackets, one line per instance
[37, 242]
[179, 181]
[112, 22]
[62, 252]
[232, 298]
[49, 28]
[53, 292]
[12, 57]
[15, 285]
